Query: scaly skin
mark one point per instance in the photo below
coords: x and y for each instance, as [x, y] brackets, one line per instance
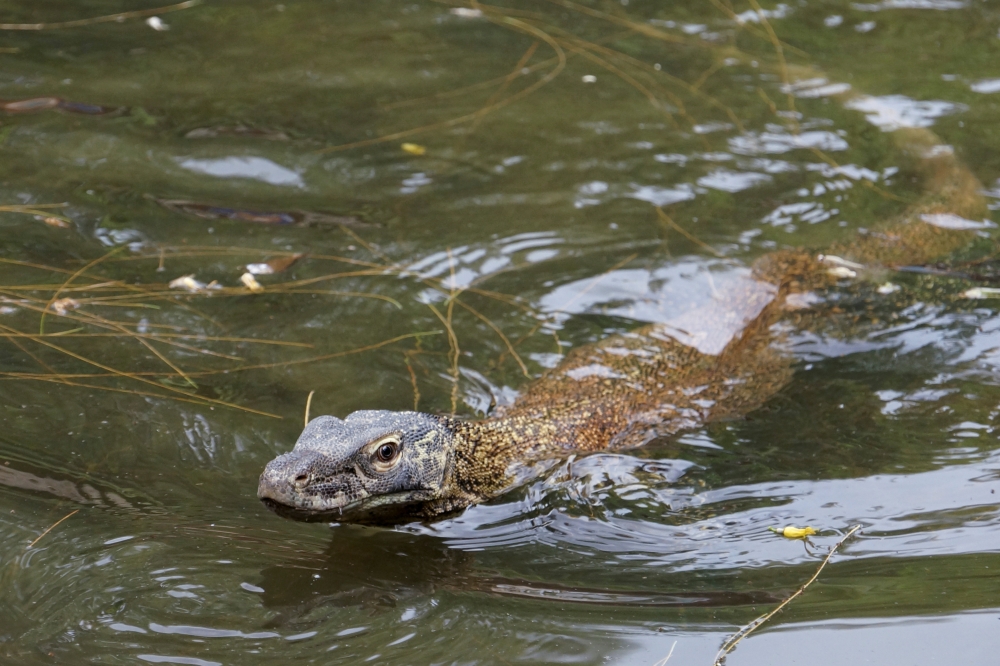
[383, 467]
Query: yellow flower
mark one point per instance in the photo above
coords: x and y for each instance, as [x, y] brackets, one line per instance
[413, 148]
[791, 532]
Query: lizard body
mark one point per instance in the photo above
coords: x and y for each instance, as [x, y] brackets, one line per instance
[381, 466]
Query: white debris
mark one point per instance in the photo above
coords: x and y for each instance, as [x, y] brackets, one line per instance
[588, 78]
[834, 260]
[801, 301]
[156, 23]
[956, 222]
[842, 272]
[259, 269]
[187, 283]
[64, 305]
[250, 282]
[981, 292]
[938, 150]
[887, 288]
[466, 12]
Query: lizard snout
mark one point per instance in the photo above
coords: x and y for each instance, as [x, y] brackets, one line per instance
[287, 476]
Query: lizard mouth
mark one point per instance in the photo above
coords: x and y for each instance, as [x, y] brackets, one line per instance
[359, 512]
[303, 515]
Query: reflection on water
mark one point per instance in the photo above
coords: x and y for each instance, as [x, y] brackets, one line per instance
[268, 135]
[255, 168]
[704, 305]
[894, 112]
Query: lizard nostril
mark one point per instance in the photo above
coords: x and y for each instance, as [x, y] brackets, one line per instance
[301, 480]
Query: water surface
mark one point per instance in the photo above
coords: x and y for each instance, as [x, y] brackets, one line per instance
[251, 132]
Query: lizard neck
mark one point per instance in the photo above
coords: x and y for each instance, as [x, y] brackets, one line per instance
[495, 453]
[484, 452]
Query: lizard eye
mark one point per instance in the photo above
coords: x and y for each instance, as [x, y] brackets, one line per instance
[387, 451]
[385, 454]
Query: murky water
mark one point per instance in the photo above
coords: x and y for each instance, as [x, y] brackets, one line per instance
[240, 133]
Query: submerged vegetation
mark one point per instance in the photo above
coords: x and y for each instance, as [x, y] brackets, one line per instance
[90, 314]
[84, 335]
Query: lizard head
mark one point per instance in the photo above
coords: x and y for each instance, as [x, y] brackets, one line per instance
[372, 467]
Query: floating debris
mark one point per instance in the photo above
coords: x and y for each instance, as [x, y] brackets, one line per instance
[259, 269]
[277, 218]
[938, 270]
[237, 130]
[39, 104]
[937, 151]
[31, 105]
[250, 282]
[156, 23]
[791, 532]
[842, 272]
[802, 300]
[87, 109]
[955, 222]
[413, 148]
[466, 12]
[842, 268]
[730, 644]
[834, 260]
[981, 292]
[57, 222]
[107, 18]
[887, 288]
[276, 265]
[189, 283]
[64, 305]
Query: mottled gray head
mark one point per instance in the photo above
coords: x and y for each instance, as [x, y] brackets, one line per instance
[373, 466]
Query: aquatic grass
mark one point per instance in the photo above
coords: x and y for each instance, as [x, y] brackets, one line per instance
[69, 314]
[779, 52]
[130, 375]
[69, 280]
[469, 117]
[454, 350]
[496, 329]
[107, 18]
[730, 644]
[648, 79]
[52, 527]
[726, 7]
[642, 28]
[575, 46]
[497, 94]
[668, 223]
[44, 212]
[80, 312]
[82, 302]
[407, 359]
[565, 44]
[463, 91]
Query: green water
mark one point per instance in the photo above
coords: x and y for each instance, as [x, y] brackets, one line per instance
[544, 209]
